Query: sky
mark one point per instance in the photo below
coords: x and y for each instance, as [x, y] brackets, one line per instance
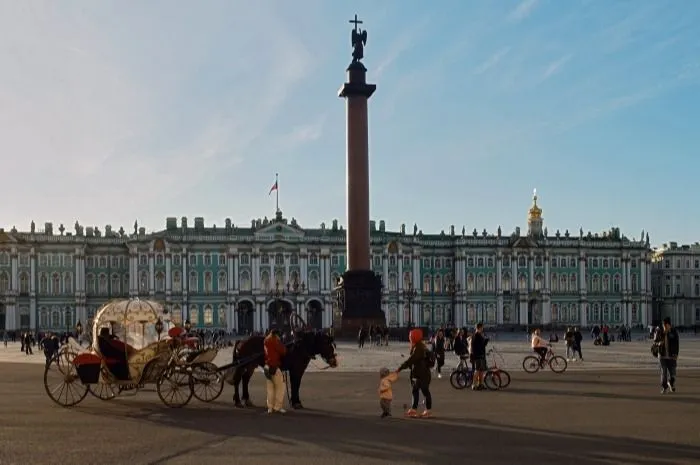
[119, 111]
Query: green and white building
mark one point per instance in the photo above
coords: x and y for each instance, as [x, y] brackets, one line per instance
[240, 277]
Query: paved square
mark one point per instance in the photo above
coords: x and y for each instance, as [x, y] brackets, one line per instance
[580, 417]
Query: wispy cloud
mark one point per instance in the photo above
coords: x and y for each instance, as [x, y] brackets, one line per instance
[399, 46]
[492, 61]
[554, 67]
[523, 10]
[129, 118]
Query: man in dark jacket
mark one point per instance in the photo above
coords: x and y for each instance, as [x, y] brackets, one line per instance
[478, 356]
[668, 344]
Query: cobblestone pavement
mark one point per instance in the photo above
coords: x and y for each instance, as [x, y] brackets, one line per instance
[625, 355]
[583, 417]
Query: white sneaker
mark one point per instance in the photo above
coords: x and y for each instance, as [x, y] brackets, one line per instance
[270, 410]
[281, 411]
[439, 375]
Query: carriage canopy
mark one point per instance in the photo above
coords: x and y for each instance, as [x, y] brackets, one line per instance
[133, 321]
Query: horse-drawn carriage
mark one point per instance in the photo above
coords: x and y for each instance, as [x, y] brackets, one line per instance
[130, 351]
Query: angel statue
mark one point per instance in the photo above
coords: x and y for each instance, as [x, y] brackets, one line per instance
[359, 40]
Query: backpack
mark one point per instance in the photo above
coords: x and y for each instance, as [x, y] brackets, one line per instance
[430, 358]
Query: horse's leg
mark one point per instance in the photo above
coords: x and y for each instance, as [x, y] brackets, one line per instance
[295, 385]
[237, 376]
[248, 373]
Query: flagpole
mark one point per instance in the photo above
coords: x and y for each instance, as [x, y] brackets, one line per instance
[277, 193]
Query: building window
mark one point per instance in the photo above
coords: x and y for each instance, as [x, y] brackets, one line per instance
[160, 260]
[207, 259]
[334, 260]
[208, 316]
[480, 262]
[193, 284]
[208, 282]
[221, 284]
[470, 262]
[177, 282]
[143, 259]
[245, 259]
[193, 260]
[222, 259]
[23, 283]
[313, 259]
[160, 282]
[176, 259]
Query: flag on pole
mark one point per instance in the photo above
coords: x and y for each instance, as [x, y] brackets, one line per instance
[273, 188]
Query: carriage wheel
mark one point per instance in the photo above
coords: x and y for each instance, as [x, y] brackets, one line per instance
[175, 388]
[207, 382]
[105, 389]
[62, 382]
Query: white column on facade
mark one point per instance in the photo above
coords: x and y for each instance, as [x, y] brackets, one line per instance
[76, 268]
[234, 281]
[273, 278]
[385, 271]
[286, 258]
[151, 272]
[230, 271]
[168, 271]
[14, 280]
[582, 273]
[514, 281]
[531, 272]
[304, 265]
[32, 290]
[643, 277]
[400, 264]
[547, 278]
[499, 272]
[185, 277]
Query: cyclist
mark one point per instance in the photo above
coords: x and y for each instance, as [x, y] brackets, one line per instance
[539, 346]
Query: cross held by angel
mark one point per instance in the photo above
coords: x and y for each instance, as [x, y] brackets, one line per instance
[358, 41]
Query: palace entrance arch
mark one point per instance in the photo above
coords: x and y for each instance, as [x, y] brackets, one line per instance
[314, 314]
[246, 317]
[279, 312]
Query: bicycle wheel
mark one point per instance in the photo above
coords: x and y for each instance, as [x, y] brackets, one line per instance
[459, 380]
[505, 378]
[492, 380]
[558, 364]
[531, 364]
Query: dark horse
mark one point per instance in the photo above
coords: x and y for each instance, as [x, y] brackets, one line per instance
[305, 346]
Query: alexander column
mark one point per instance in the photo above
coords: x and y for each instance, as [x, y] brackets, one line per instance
[360, 292]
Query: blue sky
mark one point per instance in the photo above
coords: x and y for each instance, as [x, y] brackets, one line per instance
[114, 111]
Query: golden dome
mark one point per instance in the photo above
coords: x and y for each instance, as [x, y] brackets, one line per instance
[535, 212]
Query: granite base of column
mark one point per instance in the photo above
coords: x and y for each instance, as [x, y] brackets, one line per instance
[361, 302]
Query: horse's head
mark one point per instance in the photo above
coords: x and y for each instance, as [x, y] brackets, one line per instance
[320, 343]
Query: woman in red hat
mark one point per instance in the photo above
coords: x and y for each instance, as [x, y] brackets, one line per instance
[420, 372]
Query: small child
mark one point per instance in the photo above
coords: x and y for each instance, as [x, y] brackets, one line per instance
[386, 394]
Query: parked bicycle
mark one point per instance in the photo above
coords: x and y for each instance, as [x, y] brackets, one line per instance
[498, 373]
[463, 376]
[556, 363]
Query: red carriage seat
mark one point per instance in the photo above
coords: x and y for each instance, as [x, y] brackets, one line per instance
[114, 354]
[176, 331]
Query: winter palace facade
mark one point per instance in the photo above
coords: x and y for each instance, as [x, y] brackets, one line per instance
[239, 278]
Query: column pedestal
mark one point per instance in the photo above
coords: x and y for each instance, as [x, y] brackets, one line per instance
[361, 301]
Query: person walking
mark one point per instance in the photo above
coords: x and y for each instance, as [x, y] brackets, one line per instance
[668, 346]
[420, 373]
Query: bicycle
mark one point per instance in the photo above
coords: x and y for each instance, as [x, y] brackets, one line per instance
[499, 374]
[463, 377]
[556, 363]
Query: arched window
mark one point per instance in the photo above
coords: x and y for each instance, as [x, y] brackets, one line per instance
[294, 278]
[490, 283]
[91, 284]
[44, 321]
[208, 316]
[595, 283]
[426, 283]
[159, 259]
[245, 284]
[506, 282]
[573, 285]
[522, 263]
[194, 315]
[554, 282]
[538, 281]
[555, 312]
[313, 281]
[438, 283]
[563, 283]
[103, 285]
[55, 284]
[194, 282]
[68, 283]
[4, 282]
[470, 282]
[480, 283]
[616, 283]
[208, 282]
[407, 280]
[221, 317]
[279, 279]
[177, 281]
[116, 284]
[176, 315]
[522, 282]
[265, 281]
[23, 283]
[160, 282]
[143, 281]
[606, 283]
[55, 319]
[221, 285]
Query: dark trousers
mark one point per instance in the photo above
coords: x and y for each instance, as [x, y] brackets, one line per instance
[668, 372]
[542, 352]
[439, 361]
[577, 350]
[420, 387]
[385, 405]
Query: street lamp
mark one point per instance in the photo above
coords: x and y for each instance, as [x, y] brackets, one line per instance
[410, 293]
[452, 289]
[79, 328]
[159, 327]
